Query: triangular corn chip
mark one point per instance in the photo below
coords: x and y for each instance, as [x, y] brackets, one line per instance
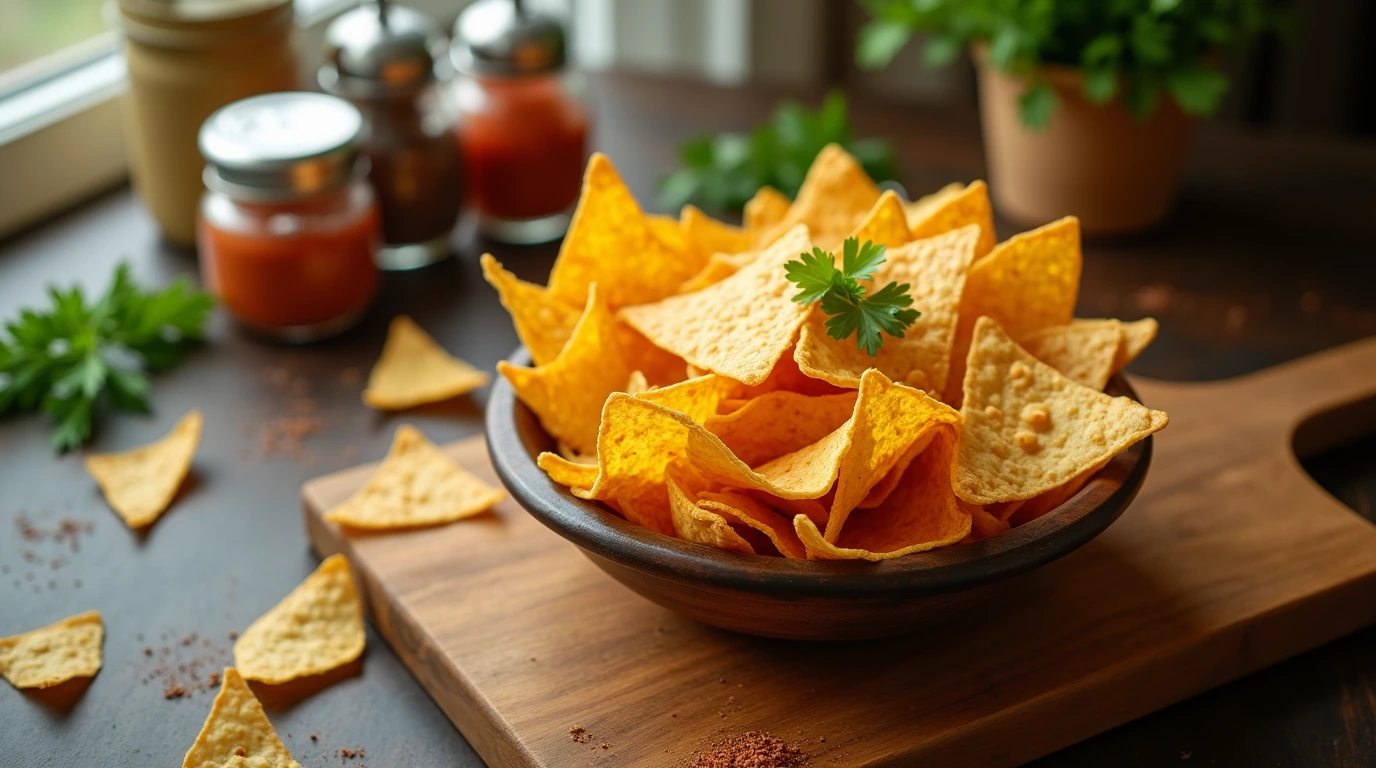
[777, 423]
[697, 398]
[1028, 429]
[671, 234]
[567, 394]
[1083, 351]
[53, 654]
[610, 242]
[702, 526]
[417, 484]
[833, 201]
[1137, 336]
[141, 483]
[763, 212]
[414, 370]
[885, 224]
[925, 206]
[719, 267]
[707, 236]
[636, 383]
[237, 733]
[739, 327]
[543, 322]
[970, 206]
[740, 508]
[316, 628]
[570, 474]
[935, 270]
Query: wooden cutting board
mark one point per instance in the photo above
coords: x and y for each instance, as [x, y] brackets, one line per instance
[1231, 559]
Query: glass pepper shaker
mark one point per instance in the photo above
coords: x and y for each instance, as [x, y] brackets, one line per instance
[524, 135]
[388, 60]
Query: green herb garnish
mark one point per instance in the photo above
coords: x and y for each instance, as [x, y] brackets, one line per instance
[75, 357]
[851, 310]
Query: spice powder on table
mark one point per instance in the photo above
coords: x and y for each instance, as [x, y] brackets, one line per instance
[752, 749]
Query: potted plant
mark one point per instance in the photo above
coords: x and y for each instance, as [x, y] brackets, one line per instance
[1087, 105]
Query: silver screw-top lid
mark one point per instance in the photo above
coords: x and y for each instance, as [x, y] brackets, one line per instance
[501, 38]
[281, 146]
[382, 49]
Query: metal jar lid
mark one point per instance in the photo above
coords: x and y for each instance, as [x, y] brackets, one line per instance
[281, 146]
[382, 49]
[198, 24]
[501, 38]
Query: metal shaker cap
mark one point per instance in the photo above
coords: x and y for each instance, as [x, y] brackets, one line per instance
[501, 38]
[381, 49]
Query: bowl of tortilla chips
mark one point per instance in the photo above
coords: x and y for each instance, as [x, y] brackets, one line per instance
[717, 446]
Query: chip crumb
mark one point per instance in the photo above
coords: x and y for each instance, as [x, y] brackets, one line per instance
[173, 692]
[752, 749]
[579, 734]
[240, 752]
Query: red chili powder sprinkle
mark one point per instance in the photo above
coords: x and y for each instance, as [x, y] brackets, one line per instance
[752, 749]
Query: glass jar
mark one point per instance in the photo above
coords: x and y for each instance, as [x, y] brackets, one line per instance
[524, 134]
[289, 227]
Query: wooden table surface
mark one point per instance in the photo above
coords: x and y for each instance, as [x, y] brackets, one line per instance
[1269, 257]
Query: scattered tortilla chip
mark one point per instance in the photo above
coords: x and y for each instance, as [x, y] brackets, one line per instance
[414, 370]
[568, 393]
[141, 483]
[834, 199]
[1083, 351]
[970, 206]
[316, 628]
[925, 206]
[739, 327]
[610, 242]
[935, 270]
[740, 508]
[543, 323]
[237, 733]
[926, 515]
[719, 267]
[417, 484]
[54, 654]
[702, 526]
[777, 423]
[707, 236]
[763, 213]
[1137, 336]
[1028, 429]
[886, 223]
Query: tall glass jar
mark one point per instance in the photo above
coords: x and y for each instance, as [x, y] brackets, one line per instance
[288, 229]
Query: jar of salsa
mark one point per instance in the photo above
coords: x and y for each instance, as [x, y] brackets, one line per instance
[524, 135]
[288, 225]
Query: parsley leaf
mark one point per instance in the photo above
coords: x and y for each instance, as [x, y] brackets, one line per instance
[76, 357]
[851, 310]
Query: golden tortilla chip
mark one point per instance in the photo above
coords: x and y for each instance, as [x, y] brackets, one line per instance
[719, 267]
[417, 484]
[660, 367]
[919, 209]
[611, 242]
[237, 733]
[885, 224]
[926, 515]
[570, 474]
[316, 628]
[697, 398]
[671, 234]
[702, 526]
[543, 322]
[1083, 351]
[54, 654]
[763, 212]
[983, 524]
[935, 270]
[777, 423]
[568, 393]
[834, 199]
[1137, 336]
[707, 236]
[970, 206]
[1028, 429]
[742, 509]
[1041, 504]
[414, 370]
[739, 327]
[141, 483]
[636, 383]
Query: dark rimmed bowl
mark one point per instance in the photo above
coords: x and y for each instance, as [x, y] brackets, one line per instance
[799, 599]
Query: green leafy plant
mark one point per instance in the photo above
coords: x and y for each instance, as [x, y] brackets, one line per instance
[721, 173]
[851, 309]
[1139, 49]
[75, 357]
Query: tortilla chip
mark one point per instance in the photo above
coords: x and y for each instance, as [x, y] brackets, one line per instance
[707, 236]
[696, 398]
[416, 485]
[568, 393]
[919, 209]
[237, 733]
[316, 628]
[141, 483]
[54, 654]
[719, 267]
[671, 234]
[983, 524]
[970, 206]
[1083, 351]
[570, 474]
[543, 322]
[935, 270]
[763, 213]
[885, 224]
[1029, 429]
[834, 199]
[744, 510]
[1040, 505]
[1137, 336]
[660, 367]
[739, 327]
[926, 515]
[777, 423]
[414, 370]
[636, 383]
[702, 526]
[611, 242]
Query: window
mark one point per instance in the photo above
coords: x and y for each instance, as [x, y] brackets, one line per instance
[39, 36]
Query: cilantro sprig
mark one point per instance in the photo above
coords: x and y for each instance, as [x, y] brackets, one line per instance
[75, 357]
[851, 309]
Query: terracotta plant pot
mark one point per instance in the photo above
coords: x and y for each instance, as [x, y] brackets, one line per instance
[1116, 173]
